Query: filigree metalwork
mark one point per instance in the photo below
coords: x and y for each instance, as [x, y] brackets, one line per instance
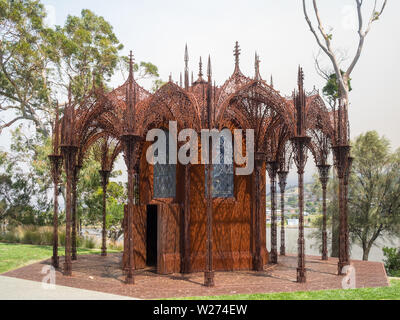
[284, 128]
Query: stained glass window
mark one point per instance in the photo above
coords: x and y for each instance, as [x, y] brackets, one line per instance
[223, 174]
[164, 177]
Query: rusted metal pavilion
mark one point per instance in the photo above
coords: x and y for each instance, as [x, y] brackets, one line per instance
[193, 227]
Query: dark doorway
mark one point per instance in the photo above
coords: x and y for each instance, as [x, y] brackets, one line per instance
[151, 238]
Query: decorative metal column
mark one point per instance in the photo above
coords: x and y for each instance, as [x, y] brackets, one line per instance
[56, 164]
[186, 241]
[300, 159]
[282, 185]
[69, 150]
[77, 168]
[272, 168]
[209, 272]
[324, 178]
[130, 139]
[343, 163]
[258, 260]
[300, 142]
[105, 176]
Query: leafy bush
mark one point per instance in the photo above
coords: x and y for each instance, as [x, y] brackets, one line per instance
[392, 261]
[89, 243]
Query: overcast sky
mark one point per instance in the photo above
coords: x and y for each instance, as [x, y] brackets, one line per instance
[157, 31]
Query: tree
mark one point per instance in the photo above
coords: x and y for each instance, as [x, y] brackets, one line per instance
[374, 204]
[374, 191]
[25, 56]
[343, 77]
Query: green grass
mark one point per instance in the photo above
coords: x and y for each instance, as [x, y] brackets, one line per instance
[386, 293]
[14, 256]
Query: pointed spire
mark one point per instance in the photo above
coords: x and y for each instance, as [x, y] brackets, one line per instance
[272, 81]
[257, 67]
[186, 57]
[300, 79]
[209, 69]
[131, 64]
[237, 52]
[200, 69]
[186, 68]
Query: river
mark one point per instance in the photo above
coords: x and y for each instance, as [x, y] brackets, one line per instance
[376, 253]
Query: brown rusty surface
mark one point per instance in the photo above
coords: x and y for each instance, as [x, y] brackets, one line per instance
[104, 274]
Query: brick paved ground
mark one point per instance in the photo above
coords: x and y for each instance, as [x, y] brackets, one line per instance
[103, 274]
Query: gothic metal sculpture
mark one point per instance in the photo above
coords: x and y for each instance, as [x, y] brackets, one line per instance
[284, 129]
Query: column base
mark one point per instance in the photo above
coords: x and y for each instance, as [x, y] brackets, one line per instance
[67, 269]
[273, 257]
[130, 280]
[301, 275]
[209, 279]
[257, 264]
[55, 262]
[341, 265]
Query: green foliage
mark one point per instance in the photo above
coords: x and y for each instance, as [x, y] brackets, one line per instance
[385, 293]
[86, 47]
[331, 89]
[25, 56]
[392, 261]
[374, 186]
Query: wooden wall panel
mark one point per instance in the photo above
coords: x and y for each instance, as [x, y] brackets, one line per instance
[169, 245]
[233, 228]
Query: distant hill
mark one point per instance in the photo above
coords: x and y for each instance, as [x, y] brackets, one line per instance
[312, 203]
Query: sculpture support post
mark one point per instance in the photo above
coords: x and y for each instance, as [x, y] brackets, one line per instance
[56, 163]
[209, 273]
[69, 153]
[282, 185]
[74, 217]
[258, 260]
[186, 241]
[105, 175]
[324, 178]
[300, 158]
[343, 163]
[129, 141]
[272, 168]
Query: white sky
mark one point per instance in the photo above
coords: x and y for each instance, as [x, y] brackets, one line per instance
[157, 31]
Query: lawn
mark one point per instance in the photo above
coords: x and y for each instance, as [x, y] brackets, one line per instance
[14, 256]
[386, 293]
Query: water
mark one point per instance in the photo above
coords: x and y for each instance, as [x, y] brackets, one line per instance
[312, 248]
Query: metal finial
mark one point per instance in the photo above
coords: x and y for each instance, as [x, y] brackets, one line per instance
[131, 63]
[200, 69]
[257, 67]
[186, 56]
[301, 78]
[209, 69]
[237, 52]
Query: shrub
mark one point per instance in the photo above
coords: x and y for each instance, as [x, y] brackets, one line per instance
[392, 261]
[89, 243]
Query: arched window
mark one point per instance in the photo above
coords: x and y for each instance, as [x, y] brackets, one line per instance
[223, 173]
[164, 176]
